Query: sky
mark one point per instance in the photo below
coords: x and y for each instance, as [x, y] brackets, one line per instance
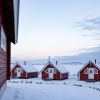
[57, 28]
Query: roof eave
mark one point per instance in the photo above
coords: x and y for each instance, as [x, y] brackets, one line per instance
[15, 12]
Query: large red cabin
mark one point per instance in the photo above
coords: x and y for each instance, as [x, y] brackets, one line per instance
[54, 72]
[9, 12]
[90, 71]
[23, 70]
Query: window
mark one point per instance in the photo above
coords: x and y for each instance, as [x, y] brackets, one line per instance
[51, 71]
[21, 70]
[3, 39]
[18, 70]
[86, 71]
[47, 71]
[95, 71]
[55, 71]
[91, 71]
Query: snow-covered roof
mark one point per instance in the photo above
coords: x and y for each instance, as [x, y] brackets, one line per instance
[58, 66]
[61, 68]
[27, 67]
[96, 65]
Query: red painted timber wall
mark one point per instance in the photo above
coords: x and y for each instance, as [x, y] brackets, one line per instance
[32, 75]
[3, 54]
[57, 75]
[24, 74]
[64, 76]
[85, 76]
[14, 74]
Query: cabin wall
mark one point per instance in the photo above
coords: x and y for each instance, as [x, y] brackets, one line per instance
[3, 54]
[57, 75]
[14, 74]
[24, 74]
[84, 76]
[32, 75]
[44, 75]
[64, 76]
[60, 76]
[97, 76]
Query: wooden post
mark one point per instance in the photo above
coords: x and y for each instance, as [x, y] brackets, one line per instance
[8, 55]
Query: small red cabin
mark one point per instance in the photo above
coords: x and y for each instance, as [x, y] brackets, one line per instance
[54, 72]
[23, 71]
[89, 72]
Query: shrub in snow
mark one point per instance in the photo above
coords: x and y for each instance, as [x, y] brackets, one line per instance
[98, 89]
[94, 88]
[26, 81]
[15, 82]
[77, 85]
[90, 87]
[9, 81]
[30, 82]
[64, 83]
[39, 82]
[22, 81]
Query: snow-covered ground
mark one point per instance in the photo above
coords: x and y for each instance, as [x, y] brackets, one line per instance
[37, 89]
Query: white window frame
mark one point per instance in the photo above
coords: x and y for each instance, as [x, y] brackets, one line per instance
[46, 71]
[85, 71]
[18, 70]
[95, 71]
[21, 70]
[3, 39]
[55, 71]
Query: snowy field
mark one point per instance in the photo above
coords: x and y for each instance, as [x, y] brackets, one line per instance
[37, 89]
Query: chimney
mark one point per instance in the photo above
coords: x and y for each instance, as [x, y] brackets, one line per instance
[56, 62]
[24, 62]
[95, 61]
[49, 59]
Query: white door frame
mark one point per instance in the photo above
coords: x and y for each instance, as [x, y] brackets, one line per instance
[50, 72]
[18, 71]
[90, 73]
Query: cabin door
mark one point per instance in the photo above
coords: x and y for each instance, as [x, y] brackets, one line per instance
[51, 72]
[91, 73]
[18, 71]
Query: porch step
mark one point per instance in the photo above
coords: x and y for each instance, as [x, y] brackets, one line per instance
[48, 79]
[90, 80]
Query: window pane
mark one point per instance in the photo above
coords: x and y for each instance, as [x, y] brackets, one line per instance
[50, 71]
[95, 71]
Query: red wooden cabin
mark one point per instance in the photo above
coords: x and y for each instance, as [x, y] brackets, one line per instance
[54, 72]
[9, 12]
[20, 70]
[89, 72]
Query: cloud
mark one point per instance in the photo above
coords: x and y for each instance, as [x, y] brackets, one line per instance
[91, 27]
[91, 24]
[88, 35]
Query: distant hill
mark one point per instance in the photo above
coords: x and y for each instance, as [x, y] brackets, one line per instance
[80, 58]
[83, 57]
